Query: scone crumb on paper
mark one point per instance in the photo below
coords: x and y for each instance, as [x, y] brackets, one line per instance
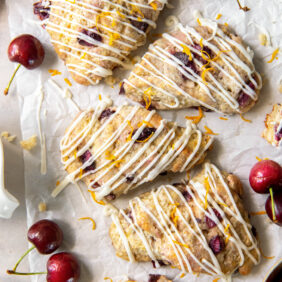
[29, 143]
[6, 135]
[111, 80]
[110, 209]
[42, 207]
[263, 39]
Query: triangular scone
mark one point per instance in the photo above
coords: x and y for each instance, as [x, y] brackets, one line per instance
[95, 36]
[204, 66]
[199, 227]
[114, 150]
[273, 126]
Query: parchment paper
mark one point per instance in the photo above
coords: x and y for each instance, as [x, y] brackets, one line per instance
[235, 148]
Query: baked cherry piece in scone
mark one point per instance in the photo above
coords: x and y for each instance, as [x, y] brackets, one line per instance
[273, 126]
[204, 66]
[93, 37]
[199, 227]
[114, 150]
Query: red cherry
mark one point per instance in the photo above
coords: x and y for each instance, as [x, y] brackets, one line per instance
[264, 175]
[277, 206]
[62, 267]
[46, 235]
[27, 51]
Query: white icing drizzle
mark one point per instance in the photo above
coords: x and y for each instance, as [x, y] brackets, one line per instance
[120, 14]
[162, 220]
[43, 168]
[212, 90]
[140, 164]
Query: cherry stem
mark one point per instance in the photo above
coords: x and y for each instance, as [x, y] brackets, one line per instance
[12, 78]
[272, 204]
[22, 257]
[12, 272]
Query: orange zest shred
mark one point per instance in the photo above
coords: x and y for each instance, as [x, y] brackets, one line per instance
[218, 16]
[274, 55]
[144, 122]
[100, 97]
[174, 217]
[58, 183]
[182, 275]
[207, 185]
[147, 97]
[67, 82]
[203, 75]
[180, 244]
[244, 119]
[54, 72]
[209, 131]
[258, 213]
[226, 24]
[198, 21]
[113, 36]
[188, 175]
[223, 118]
[83, 55]
[154, 6]
[227, 233]
[196, 119]
[215, 280]
[91, 219]
[120, 14]
[201, 43]
[223, 204]
[259, 159]
[187, 51]
[108, 278]
[80, 173]
[129, 137]
[93, 195]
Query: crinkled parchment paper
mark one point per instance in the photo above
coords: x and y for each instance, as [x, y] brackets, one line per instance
[235, 148]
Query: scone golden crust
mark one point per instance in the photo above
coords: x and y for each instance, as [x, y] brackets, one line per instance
[273, 126]
[93, 37]
[199, 227]
[114, 150]
[205, 66]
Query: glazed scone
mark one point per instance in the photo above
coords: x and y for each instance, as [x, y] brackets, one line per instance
[273, 126]
[93, 37]
[204, 66]
[114, 150]
[198, 227]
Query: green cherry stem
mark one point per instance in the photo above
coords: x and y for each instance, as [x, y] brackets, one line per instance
[12, 272]
[272, 204]
[22, 257]
[12, 78]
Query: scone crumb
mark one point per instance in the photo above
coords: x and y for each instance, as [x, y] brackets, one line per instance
[42, 207]
[30, 143]
[111, 80]
[263, 39]
[171, 21]
[6, 135]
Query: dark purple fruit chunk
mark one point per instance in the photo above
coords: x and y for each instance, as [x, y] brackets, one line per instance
[92, 35]
[129, 178]
[278, 134]
[154, 277]
[243, 98]
[277, 199]
[41, 10]
[184, 58]
[27, 51]
[95, 185]
[63, 267]
[84, 158]
[146, 133]
[110, 197]
[45, 235]
[217, 244]
[187, 195]
[206, 53]
[150, 108]
[106, 113]
[210, 223]
[122, 90]
[161, 263]
[140, 25]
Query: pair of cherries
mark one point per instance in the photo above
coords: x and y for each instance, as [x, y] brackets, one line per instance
[47, 236]
[266, 177]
